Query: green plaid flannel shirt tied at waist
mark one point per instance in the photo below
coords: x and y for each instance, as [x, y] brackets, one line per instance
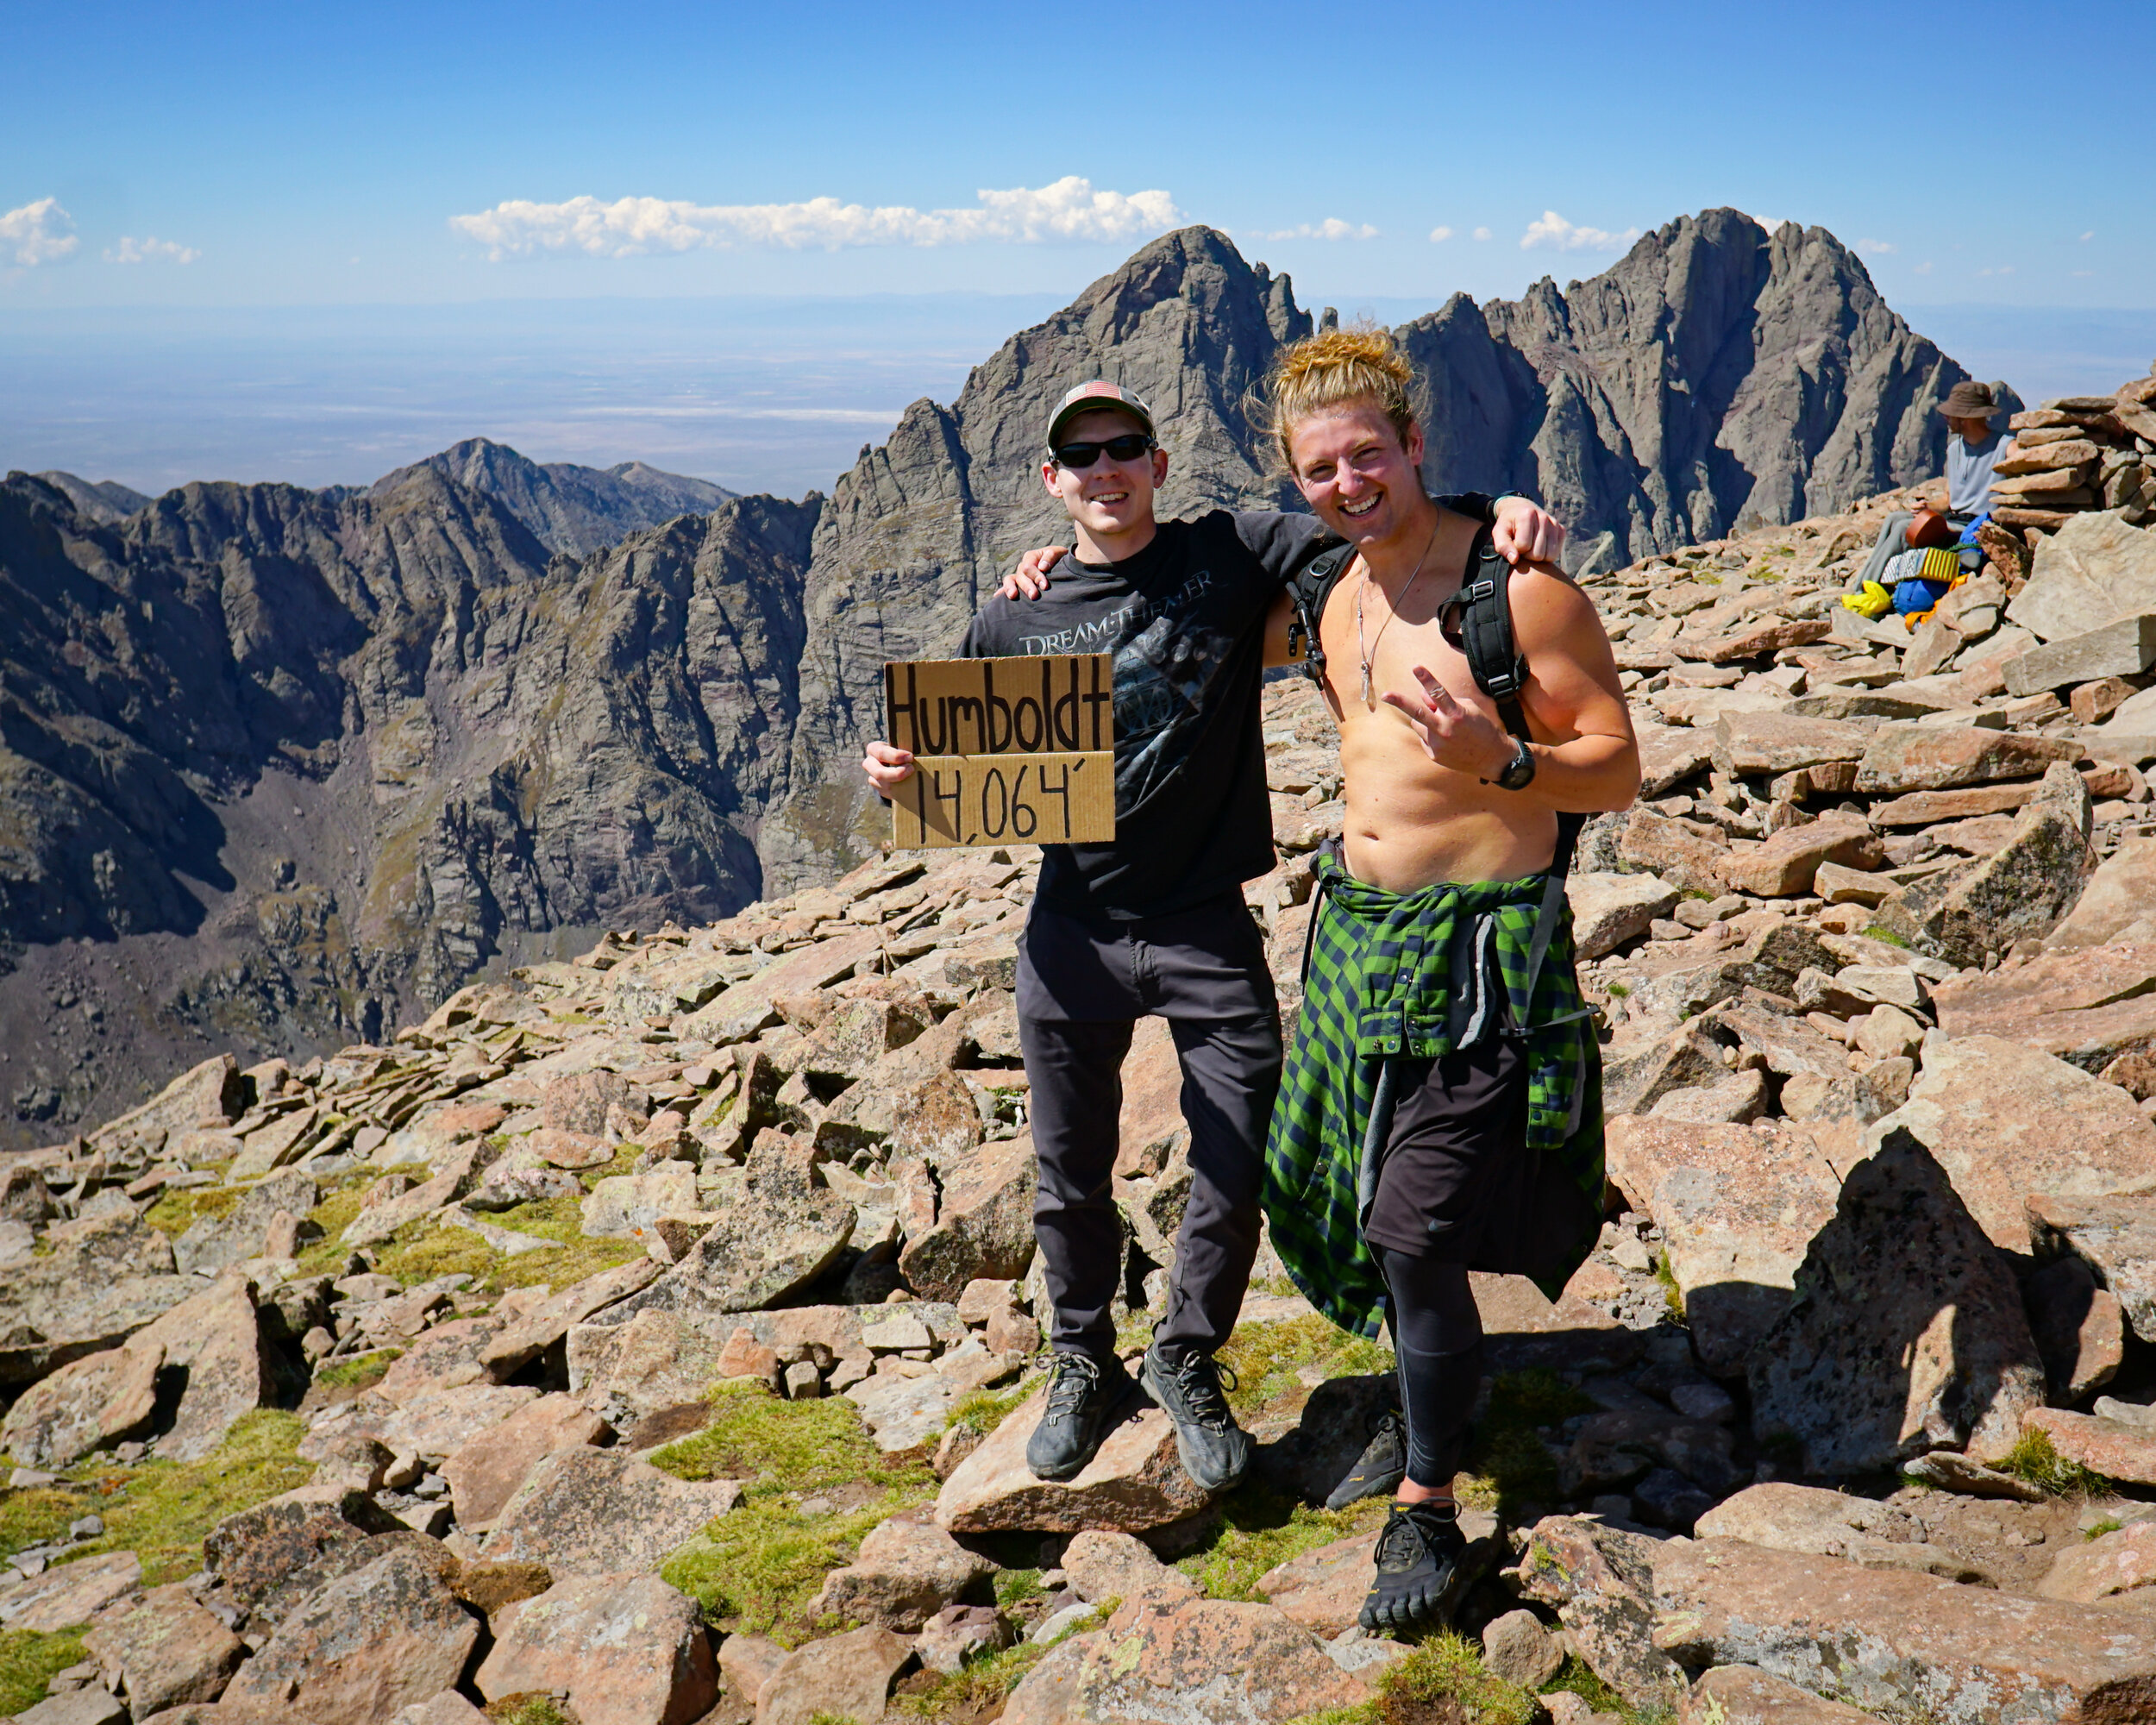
[1415, 975]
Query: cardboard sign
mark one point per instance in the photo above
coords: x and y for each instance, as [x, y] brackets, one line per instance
[1006, 750]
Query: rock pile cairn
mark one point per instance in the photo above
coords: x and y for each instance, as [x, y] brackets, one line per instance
[2080, 453]
[1861, 1362]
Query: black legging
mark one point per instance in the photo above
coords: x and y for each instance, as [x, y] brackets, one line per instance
[1437, 1339]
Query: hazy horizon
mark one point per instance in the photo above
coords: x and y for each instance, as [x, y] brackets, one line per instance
[755, 392]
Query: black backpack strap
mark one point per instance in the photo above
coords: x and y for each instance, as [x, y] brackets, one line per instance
[1309, 589]
[1477, 619]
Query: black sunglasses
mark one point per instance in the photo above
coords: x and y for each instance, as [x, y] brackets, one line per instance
[1127, 448]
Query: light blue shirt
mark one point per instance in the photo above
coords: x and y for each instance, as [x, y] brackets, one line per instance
[1969, 473]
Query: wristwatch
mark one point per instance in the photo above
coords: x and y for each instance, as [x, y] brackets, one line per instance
[1519, 771]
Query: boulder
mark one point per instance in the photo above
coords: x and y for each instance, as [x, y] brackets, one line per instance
[603, 1512]
[2124, 647]
[272, 1556]
[213, 1093]
[1202, 1659]
[1519, 1648]
[2097, 568]
[1135, 1482]
[1739, 1207]
[213, 1345]
[1988, 1110]
[1525, 1330]
[2080, 1328]
[1610, 910]
[958, 1634]
[435, 1424]
[842, 1677]
[101, 1279]
[625, 1649]
[2116, 1236]
[2117, 905]
[85, 1406]
[656, 1359]
[623, 1204]
[2087, 1006]
[368, 1643]
[2019, 892]
[1745, 1695]
[1783, 865]
[1600, 1580]
[69, 1594]
[1938, 757]
[447, 1707]
[2120, 1561]
[1755, 744]
[525, 1338]
[1770, 954]
[1675, 851]
[94, 1705]
[212, 1243]
[745, 1664]
[781, 1237]
[984, 1226]
[1906, 1332]
[2118, 1449]
[163, 1650]
[485, 1472]
[1104, 1566]
[1888, 1641]
[906, 1570]
[1804, 1518]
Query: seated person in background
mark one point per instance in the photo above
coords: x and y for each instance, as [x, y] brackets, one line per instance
[1973, 450]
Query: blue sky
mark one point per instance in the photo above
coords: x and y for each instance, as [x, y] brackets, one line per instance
[214, 156]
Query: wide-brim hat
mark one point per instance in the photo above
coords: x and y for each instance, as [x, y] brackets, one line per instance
[1968, 400]
[1089, 397]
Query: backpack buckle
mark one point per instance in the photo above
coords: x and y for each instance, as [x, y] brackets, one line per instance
[1480, 591]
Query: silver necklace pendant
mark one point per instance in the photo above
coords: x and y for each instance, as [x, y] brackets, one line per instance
[1367, 701]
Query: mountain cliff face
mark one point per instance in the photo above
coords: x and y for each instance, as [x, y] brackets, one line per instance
[1718, 379]
[278, 767]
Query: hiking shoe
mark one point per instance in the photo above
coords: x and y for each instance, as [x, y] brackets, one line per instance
[1082, 1393]
[1420, 1569]
[1186, 1382]
[1382, 1466]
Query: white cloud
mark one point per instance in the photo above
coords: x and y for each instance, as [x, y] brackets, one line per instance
[2003, 269]
[1883, 248]
[2088, 237]
[1559, 234]
[37, 233]
[1924, 268]
[1068, 210]
[1332, 228]
[2083, 273]
[1440, 236]
[1481, 233]
[1772, 223]
[148, 250]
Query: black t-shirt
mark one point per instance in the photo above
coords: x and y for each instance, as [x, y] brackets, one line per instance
[1184, 619]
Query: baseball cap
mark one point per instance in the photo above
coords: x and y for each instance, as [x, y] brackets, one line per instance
[1089, 396]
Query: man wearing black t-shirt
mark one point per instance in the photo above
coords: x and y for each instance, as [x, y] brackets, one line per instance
[1153, 923]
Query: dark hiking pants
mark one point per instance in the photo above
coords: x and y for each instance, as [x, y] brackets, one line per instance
[1081, 985]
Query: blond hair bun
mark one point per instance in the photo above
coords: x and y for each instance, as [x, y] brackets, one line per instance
[1358, 363]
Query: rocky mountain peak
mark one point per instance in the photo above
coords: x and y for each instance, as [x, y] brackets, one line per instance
[570, 508]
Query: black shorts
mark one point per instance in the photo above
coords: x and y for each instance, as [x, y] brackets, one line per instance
[1457, 1183]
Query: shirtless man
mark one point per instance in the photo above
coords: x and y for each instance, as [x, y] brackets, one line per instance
[1153, 922]
[1440, 1110]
